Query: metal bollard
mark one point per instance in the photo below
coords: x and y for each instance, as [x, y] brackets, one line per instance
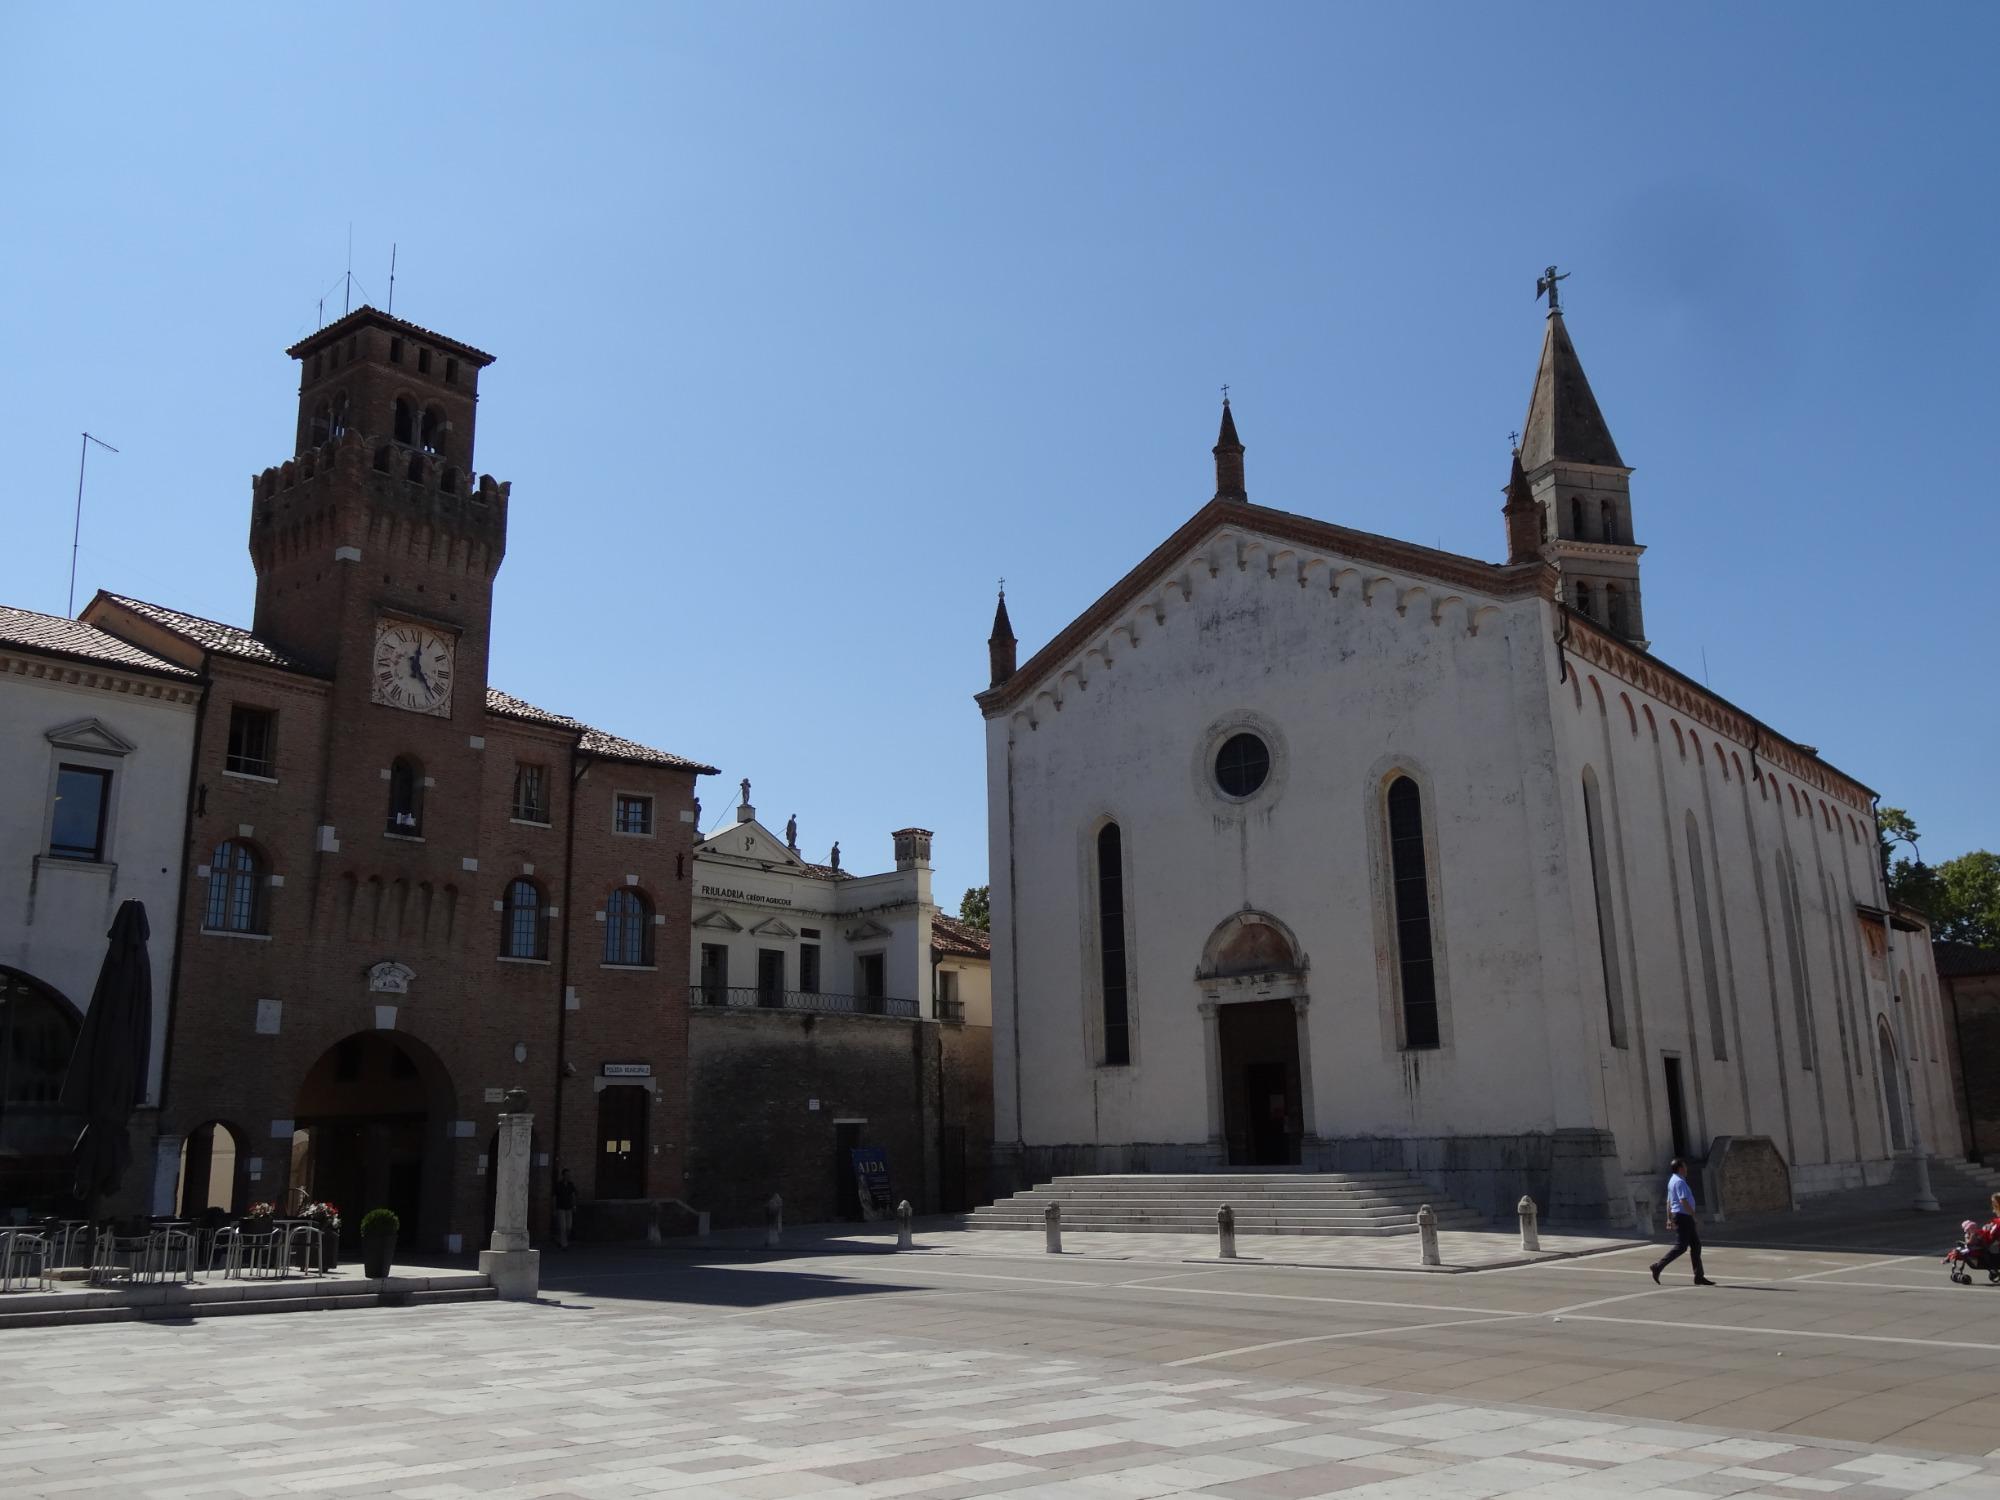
[1052, 1225]
[774, 1220]
[903, 1240]
[1225, 1231]
[1531, 1239]
[1427, 1235]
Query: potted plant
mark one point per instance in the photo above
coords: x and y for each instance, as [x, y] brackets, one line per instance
[379, 1227]
[325, 1217]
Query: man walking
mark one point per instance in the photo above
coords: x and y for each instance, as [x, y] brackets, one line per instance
[1680, 1209]
[565, 1206]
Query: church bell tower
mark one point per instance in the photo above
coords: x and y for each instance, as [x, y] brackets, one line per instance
[1579, 487]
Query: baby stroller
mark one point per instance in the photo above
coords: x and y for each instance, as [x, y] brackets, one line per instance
[1978, 1249]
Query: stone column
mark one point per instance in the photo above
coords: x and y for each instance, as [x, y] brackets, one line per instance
[1211, 1035]
[515, 1270]
[1308, 1116]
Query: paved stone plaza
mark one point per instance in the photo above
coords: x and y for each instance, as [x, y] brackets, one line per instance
[947, 1375]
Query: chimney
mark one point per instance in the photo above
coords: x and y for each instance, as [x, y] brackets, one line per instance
[913, 848]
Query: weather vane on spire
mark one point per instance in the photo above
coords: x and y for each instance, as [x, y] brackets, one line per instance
[1546, 283]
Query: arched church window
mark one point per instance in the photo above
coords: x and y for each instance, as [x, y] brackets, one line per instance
[1614, 608]
[431, 433]
[1795, 956]
[1576, 516]
[1583, 601]
[521, 937]
[322, 425]
[1607, 524]
[1416, 963]
[1607, 920]
[406, 421]
[1111, 944]
[628, 928]
[1705, 931]
[339, 424]
[1542, 518]
[406, 797]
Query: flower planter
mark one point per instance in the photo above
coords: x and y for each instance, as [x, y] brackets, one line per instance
[377, 1252]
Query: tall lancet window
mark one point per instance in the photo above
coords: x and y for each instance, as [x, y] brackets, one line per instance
[1576, 516]
[1614, 608]
[1111, 944]
[1607, 527]
[1583, 600]
[1416, 964]
[1705, 931]
[1607, 917]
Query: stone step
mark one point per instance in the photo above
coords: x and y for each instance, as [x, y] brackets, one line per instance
[1411, 1196]
[1293, 1202]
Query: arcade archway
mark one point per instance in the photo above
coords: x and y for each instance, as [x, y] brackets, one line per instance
[371, 1132]
[38, 1030]
[1252, 982]
[212, 1171]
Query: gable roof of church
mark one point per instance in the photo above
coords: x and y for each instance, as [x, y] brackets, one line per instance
[1564, 424]
[1497, 580]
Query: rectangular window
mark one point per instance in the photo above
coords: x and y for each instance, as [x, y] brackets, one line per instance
[83, 798]
[947, 996]
[809, 968]
[531, 793]
[714, 973]
[869, 970]
[633, 814]
[252, 741]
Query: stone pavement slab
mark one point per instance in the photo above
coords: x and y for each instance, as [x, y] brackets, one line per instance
[622, 1397]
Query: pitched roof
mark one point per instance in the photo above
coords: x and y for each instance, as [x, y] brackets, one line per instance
[1227, 437]
[211, 635]
[594, 742]
[960, 939]
[1501, 580]
[1003, 628]
[366, 316]
[1564, 424]
[56, 636]
[1963, 961]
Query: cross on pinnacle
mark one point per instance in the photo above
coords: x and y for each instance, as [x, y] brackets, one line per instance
[1546, 283]
[1514, 441]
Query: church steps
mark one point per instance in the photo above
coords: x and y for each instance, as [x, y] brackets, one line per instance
[1330, 1203]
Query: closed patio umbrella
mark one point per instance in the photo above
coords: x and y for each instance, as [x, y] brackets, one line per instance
[107, 1072]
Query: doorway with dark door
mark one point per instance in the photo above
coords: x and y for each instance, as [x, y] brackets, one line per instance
[846, 1186]
[714, 974]
[771, 977]
[621, 1141]
[1262, 1116]
[1677, 1117]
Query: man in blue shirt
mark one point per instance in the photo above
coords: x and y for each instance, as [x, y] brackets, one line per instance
[1680, 1210]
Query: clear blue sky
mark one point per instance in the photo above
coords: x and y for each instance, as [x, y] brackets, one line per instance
[812, 321]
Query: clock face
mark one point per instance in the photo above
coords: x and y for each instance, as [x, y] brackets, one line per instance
[413, 667]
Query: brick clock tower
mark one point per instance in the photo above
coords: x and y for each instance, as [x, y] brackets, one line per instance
[408, 893]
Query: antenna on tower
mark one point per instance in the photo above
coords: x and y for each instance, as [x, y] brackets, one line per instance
[347, 296]
[76, 535]
[392, 278]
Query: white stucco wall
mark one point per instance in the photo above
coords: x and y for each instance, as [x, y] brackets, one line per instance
[1350, 686]
[58, 911]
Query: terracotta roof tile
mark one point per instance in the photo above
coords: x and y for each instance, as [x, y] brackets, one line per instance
[1963, 961]
[611, 747]
[950, 935]
[364, 316]
[60, 637]
[511, 707]
[211, 635]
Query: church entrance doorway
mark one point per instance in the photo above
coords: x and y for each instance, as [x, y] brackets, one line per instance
[370, 1133]
[1262, 1114]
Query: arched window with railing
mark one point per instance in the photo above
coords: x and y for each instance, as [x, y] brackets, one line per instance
[406, 797]
[1409, 870]
[628, 929]
[236, 884]
[522, 928]
[1112, 968]
[406, 420]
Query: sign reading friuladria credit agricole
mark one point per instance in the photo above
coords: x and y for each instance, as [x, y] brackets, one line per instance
[749, 898]
[628, 1070]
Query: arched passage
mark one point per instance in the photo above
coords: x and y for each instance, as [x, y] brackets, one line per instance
[374, 1112]
[211, 1170]
[1252, 980]
[38, 1029]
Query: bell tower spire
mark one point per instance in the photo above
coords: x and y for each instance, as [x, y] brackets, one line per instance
[1229, 457]
[1578, 485]
[1001, 646]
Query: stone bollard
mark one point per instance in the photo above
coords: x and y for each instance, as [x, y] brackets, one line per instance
[903, 1239]
[1225, 1232]
[774, 1220]
[1427, 1235]
[1531, 1238]
[1052, 1225]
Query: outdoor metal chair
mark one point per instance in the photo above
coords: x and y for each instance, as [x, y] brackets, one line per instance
[21, 1249]
[302, 1240]
[119, 1255]
[171, 1256]
[249, 1252]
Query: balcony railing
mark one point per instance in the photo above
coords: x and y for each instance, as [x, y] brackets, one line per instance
[949, 1010]
[752, 998]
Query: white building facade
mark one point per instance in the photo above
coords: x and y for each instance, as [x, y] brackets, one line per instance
[1315, 848]
[96, 740]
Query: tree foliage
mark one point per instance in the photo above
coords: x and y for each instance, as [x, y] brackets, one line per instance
[1961, 896]
[976, 910]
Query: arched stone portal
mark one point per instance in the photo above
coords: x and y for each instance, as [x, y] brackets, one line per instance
[38, 1030]
[212, 1174]
[374, 1112]
[1252, 983]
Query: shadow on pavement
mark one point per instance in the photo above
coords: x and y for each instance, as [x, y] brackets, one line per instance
[635, 1276]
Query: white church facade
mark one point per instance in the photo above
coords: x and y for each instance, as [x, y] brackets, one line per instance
[1314, 848]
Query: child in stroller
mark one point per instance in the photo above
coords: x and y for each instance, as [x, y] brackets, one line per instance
[1978, 1249]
